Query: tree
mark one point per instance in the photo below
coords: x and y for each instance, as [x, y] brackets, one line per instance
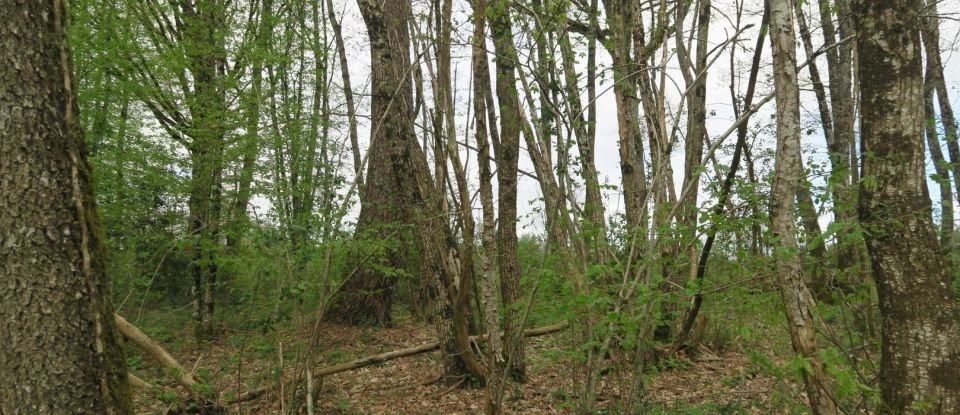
[61, 353]
[406, 178]
[507, 155]
[180, 61]
[920, 332]
[367, 293]
[798, 302]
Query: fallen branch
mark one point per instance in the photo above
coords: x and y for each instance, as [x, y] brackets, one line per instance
[383, 357]
[136, 382]
[157, 352]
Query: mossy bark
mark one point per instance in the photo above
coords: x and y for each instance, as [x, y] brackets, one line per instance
[60, 349]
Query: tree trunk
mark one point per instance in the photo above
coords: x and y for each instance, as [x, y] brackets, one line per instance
[206, 57]
[507, 156]
[920, 342]
[593, 223]
[366, 297]
[839, 142]
[496, 360]
[940, 164]
[819, 279]
[61, 353]
[347, 93]
[407, 175]
[620, 15]
[798, 302]
[934, 81]
[931, 43]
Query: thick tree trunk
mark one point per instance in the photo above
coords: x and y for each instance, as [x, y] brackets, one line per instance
[798, 302]
[920, 361]
[366, 297]
[407, 176]
[60, 353]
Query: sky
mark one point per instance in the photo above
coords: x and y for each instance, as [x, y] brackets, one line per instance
[719, 109]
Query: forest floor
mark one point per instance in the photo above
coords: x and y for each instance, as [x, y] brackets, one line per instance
[708, 383]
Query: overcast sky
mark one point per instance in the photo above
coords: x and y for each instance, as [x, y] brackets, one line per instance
[719, 109]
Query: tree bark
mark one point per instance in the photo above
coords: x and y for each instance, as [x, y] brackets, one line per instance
[507, 156]
[620, 16]
[798, 302]
[496, 361]
[366, 297]
[920, 341]
[61, 353]
[407, 173]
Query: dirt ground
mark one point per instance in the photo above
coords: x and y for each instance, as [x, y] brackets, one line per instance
[709, 383]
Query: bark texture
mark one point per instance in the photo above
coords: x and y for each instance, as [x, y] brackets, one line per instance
[920, 345]
[366, 297]
[481, 80]
[798, 302]
[507, 156]
[406, 178]
[60, 351]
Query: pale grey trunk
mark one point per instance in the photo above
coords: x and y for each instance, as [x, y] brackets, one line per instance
[798, 302]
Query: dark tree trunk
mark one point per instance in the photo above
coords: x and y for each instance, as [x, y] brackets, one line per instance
[205, 53]
[60, 350]
[920, 345]
[406, 180]
[366, 297]
[507, 156]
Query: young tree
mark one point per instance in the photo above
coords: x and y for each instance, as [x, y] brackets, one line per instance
[61, 353]
[507, 155]
[178, 57]
[920, 344]
[798, 302]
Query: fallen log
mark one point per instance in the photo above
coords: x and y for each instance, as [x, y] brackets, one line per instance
[136, 382]
[145, 343]
[383, 357]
